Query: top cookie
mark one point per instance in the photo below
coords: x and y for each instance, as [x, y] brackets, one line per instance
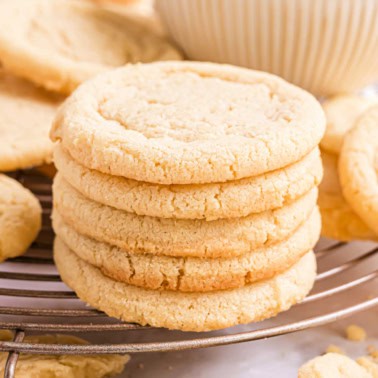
[26, 114]
[188, 123]
[341, 113]
[59, 44]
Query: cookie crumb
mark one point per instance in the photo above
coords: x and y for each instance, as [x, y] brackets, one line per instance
[140, 366]
[334, 349]
[355, 333]
[369, 365]
[373, 351]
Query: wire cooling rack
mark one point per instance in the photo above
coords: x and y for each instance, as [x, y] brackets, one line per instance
[33, 299]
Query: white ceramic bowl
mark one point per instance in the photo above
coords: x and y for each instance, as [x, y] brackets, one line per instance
[325, 46]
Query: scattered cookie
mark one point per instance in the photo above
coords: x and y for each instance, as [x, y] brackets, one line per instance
[179, 237]
[188, 123]
[59, 44]
[333, 365]
[20, 218]
[59, 366]
[339, 221]
[186, 311]
[207, 201]
[358, 168]
[355, 333]
[341, 113]
[191, 274]
[26, 114]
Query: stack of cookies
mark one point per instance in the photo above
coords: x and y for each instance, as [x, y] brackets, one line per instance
[340, 219]
[186, 194]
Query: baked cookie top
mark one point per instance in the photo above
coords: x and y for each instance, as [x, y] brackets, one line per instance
[26, 114]
[59, 44]
[188, 122]
[20, 218]
[358, 167]
[341, 113]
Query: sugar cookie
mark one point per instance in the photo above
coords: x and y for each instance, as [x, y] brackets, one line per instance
[358, 168]
[339, 221]
[186, 311]
[188, 123]
[179, 237]
[207, 201]
[59, 44]
[191, 273]
[341, 113]
[26, 114]
[67, 366]
[332, 365]
[20, 218]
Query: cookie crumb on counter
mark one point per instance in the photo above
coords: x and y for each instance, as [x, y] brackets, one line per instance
[140, 366]
[334, 349]
[373, 351]
[355, 333]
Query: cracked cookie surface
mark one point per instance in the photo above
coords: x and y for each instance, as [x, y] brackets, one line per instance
[191, 274]
[186, 311]
[20, 218]
[188, 123]
[59, 44]
[206, 201]
[179, 237]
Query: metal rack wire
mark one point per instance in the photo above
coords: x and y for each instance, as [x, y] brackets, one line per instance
[32, 298]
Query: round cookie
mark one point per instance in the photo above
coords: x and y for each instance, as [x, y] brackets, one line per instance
[339, 221]
[185, 311]
[188, 123]
[208, 201]
[67, 366]
[332, 365]
[26, 114]
[59, 44]
[20, 218]
[178, 237]
[358, 168]
[191, 274]
[341, 113]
